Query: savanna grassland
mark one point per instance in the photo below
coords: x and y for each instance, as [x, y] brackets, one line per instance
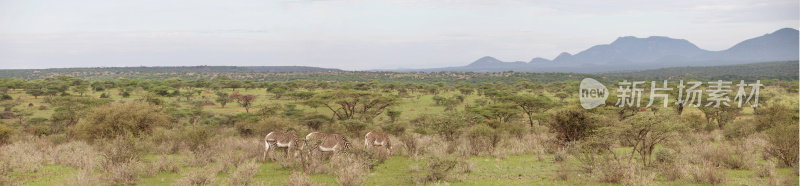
[445, 128]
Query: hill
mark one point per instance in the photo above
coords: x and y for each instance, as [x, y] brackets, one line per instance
[632, 53]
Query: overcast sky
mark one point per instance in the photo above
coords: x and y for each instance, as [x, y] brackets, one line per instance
[358, 35]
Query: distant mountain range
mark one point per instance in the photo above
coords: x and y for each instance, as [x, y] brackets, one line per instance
[632, 53]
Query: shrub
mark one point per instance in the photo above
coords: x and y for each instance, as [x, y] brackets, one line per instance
[612, 171]
[197, 135]
[672, 171]
[351, 169]
[121, 149]
[123, 173]
[86, 177]
[708, 173]
[244, 173]
[112, 120]
[442, 168]
[695, 122]
[162, 164]
[665, 155]
[200, 157]
[561, 155]
[572, 124]
[200, 176]
[299, 179]
[739, 128]
[483, 138]
[23, 156]
[783, 144]
[766, 170]
[411, 144]
[5, 134]
[76, 154]
[774, 115]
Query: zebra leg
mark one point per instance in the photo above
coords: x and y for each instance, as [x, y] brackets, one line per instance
[266, 148]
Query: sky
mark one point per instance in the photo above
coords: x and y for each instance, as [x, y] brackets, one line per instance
[358, 34]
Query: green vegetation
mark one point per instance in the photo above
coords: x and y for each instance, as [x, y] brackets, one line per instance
[208, 127]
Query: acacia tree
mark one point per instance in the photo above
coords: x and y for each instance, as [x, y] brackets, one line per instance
[530, 104]
[352, 104]
[35, 89]
[645, 131]
[245, 100]
[393, 114]
[722, 115]
[81, 89]
[500, 112]
[222, 99]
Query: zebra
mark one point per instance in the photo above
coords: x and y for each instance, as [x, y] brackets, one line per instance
[326, 142]
[380, 139]
[278, 139]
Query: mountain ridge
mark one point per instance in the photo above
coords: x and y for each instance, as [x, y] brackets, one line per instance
[634, 53]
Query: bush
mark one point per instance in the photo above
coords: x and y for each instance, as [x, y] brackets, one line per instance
[201, 176]
[774, 115]
[244, 173]
[561, 155]
[613, 171]
[299, 179]
[483, 138]
[766, 170]
[77, 154]
[121, 149]
[739, 128]
[572, 124]
[112, 120]
[783, 144]
[734, 157]
[123, 173]
[708, 173]
[665, 155]
[23, 156]
[411, 143]
[673, 171]
[5, 134]
[197, 135]
[351, 169]
[442, 168]
[162, 164]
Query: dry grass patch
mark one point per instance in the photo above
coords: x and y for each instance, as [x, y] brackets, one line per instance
[244, 173]
[708, 173]
[299, 179]
[199, 176]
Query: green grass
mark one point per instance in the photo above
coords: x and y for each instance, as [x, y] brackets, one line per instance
[44, 176]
